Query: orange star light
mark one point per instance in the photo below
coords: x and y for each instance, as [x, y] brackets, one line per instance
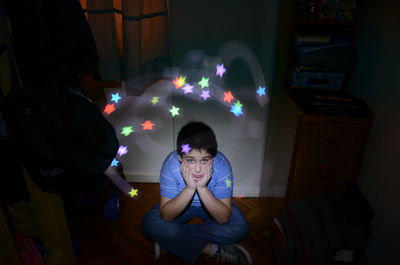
[147, 125]
[109, 108]
[228, 97]
[179, 82]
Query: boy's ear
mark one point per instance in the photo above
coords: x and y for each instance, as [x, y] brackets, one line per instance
[180, 158]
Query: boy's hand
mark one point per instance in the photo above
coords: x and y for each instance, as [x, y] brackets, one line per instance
[188, 175]
[207, 176]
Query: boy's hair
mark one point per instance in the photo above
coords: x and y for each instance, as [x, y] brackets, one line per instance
[199, 136]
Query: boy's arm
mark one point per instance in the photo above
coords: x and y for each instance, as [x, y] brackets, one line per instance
[171, 208]
[220, 209]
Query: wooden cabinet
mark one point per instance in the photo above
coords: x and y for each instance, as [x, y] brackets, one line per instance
[324, 153]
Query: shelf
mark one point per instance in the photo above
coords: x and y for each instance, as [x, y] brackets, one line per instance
[310, 21]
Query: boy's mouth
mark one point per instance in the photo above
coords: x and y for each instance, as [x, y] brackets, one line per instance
[197, 177]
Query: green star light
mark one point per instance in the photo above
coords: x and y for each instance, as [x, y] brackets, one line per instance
[174, 111]
[127, 130]
[203, 82]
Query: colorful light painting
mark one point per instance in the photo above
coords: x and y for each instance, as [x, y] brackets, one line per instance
[261, 91]
[133, 192]
[228, 97]
[237, 103]
[228, 183]
[114, 163]
[115, 97]
[109, 108]
[147, 125]
[120, 182]
[220, 70]
[185, 148]
[187, 89]
[154, 100]
[127, 130]
[122, 150]
[236, 110]
[205, 94]
[174, 111]
[204, 82]
[179, 82]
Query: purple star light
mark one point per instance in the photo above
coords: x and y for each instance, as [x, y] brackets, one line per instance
[186, 148]
[205, 94]
[122, 150]
[187, 89]
[220, 69]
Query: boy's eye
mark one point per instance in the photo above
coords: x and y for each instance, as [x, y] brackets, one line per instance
[189, 161]
[205, 161]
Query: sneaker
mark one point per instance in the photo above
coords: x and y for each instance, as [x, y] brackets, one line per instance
[158, 251]
[235, 254]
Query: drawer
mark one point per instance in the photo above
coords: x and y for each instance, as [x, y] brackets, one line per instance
[315, 176]
[342, 140]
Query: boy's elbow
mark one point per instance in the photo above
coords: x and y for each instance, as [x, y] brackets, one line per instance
[166, 217]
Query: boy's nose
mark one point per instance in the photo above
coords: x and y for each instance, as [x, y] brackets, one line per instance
[197, 168]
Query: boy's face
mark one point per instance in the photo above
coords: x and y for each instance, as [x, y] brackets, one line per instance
[199, 161]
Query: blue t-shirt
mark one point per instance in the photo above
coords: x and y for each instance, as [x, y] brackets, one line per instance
[172, 182]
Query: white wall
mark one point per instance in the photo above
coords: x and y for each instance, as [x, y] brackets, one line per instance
[377, 80]
[203, 28]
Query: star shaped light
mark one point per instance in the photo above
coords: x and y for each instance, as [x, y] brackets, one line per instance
[228, 183]
[114, 163]
[122, 150]
[115, 97]
[228, 97]
[133, 192]
[174, 111]
[147, 125]
[203, 82]
[186, 148]
[154, 100]
[220, 69]
[187, 89]
[205, 94]
[127, 130]
[238, 104]
[236, 110]
[109, 108]
[261, 91]
[179, 82]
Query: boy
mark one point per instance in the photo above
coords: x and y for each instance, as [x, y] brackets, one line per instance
[196, 181]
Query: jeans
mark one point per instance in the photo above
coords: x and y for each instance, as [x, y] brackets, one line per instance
[187, 241]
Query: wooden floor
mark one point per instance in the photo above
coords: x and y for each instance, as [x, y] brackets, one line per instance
[120, 242]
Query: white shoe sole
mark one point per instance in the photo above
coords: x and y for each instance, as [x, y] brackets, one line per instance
[244, 251]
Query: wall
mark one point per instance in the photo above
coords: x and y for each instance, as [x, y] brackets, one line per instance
[376, 79]
[200, 29]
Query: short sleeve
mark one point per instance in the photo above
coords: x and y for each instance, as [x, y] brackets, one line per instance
[223, 187]
[168, 184]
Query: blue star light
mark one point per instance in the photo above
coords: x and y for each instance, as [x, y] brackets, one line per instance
[261, 91]
[236, 110]
[114, 163]
[115, 97]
